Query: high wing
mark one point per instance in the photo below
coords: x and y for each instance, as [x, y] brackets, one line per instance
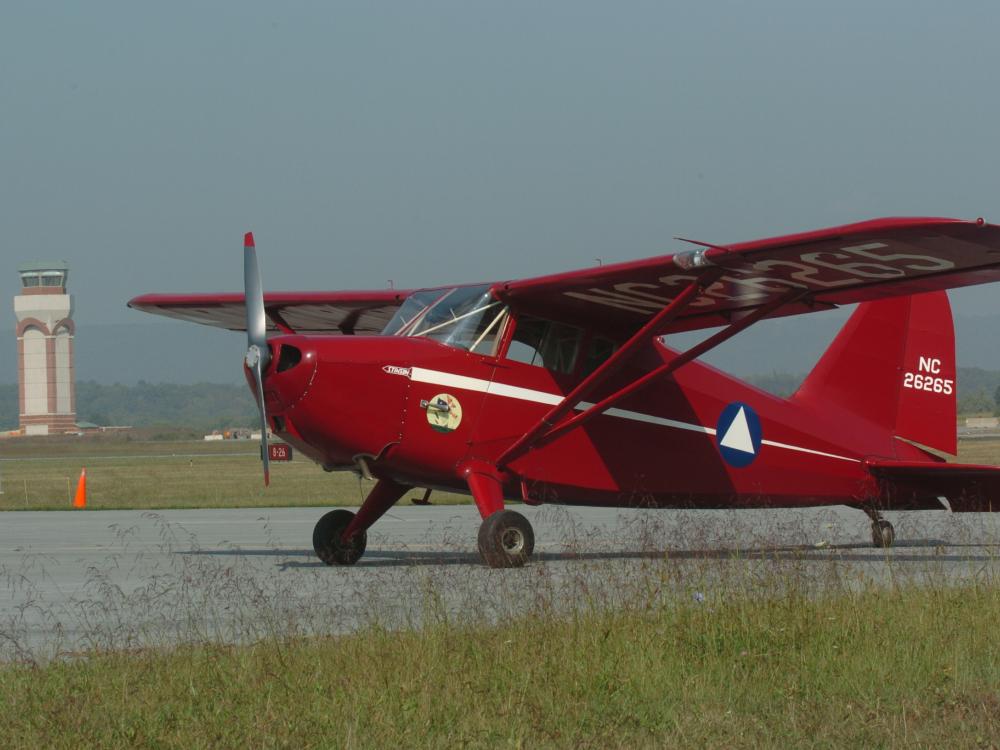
[299, 312]
[737, 285]
[814, 271]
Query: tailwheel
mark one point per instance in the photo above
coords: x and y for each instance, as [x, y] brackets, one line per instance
[506, 539]
[883, 535]
[328, 542]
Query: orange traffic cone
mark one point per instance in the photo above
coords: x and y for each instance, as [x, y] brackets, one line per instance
[80, 501]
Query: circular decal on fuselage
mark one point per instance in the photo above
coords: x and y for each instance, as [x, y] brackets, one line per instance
[738, 434]
[444, 413]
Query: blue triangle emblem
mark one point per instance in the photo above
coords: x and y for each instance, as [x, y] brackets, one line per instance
[738, 434]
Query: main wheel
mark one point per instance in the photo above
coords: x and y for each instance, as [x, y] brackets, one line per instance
[883, 535]
[506, 540]
[327, 542]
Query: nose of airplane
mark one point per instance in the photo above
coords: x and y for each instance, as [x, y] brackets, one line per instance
[289, 376]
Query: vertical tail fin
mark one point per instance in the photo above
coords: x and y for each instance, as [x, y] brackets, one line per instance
[893, 362]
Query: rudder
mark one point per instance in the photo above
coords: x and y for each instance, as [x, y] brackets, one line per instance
[894, 363]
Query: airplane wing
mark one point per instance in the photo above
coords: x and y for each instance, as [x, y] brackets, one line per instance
[300, 312]
[736, 285]
[830, 267]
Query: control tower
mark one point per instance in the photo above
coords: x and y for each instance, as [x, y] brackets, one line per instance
[45, 350]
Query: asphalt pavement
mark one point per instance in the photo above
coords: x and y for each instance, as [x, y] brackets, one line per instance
[81, 580]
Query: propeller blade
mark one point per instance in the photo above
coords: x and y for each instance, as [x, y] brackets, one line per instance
[254, 299]
[258, 354]
[259, 380]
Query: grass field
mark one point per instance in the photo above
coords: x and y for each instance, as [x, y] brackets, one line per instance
[910, 667]
[41, 474]
[759, 660]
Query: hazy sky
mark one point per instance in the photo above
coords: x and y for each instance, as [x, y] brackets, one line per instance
[434, 142]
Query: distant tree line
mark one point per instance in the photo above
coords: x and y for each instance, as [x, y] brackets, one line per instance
[204, 406]
[978, 389]
[210, 406]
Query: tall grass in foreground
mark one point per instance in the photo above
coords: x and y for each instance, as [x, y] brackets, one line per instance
[696, 629]
[907, 666]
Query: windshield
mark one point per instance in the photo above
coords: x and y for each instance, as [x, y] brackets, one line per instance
[414, 306]
[464, 317]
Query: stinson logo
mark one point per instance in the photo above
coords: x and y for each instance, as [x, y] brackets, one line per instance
[396, 370]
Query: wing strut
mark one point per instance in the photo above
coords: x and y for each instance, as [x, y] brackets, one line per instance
[539, 437]
[653, 328]
[280, 323]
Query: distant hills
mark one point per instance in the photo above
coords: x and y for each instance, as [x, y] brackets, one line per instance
[201, 406]
[795, 344]
[208, 406]
[977, 387]
[198, 377]
[159, 352]
[165, 351]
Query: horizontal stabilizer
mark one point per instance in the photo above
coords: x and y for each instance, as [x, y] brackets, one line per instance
[920, 484]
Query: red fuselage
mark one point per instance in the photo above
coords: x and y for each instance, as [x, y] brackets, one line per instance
[558, 388]
[351, 397]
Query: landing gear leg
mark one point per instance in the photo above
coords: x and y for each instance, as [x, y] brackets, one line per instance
[340, 537]
[506, 539]
[883, 534]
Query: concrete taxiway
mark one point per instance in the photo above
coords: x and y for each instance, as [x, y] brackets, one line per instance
[119, 579]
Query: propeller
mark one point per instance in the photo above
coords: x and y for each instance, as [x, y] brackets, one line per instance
[258, 354]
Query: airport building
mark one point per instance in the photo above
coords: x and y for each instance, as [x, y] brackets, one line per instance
[45, 331]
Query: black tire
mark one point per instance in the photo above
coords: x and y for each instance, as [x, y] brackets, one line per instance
[328, 544]
[506, 540]
[883, 535]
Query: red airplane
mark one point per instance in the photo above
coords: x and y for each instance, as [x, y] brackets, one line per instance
[559, 389]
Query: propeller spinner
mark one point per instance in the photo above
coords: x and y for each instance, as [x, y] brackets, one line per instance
[258, 354]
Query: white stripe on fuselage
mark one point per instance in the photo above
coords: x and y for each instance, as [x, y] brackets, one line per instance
[450, 380]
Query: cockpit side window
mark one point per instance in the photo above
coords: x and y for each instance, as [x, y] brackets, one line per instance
[599, 350]
[545, 343]
[526, 343]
